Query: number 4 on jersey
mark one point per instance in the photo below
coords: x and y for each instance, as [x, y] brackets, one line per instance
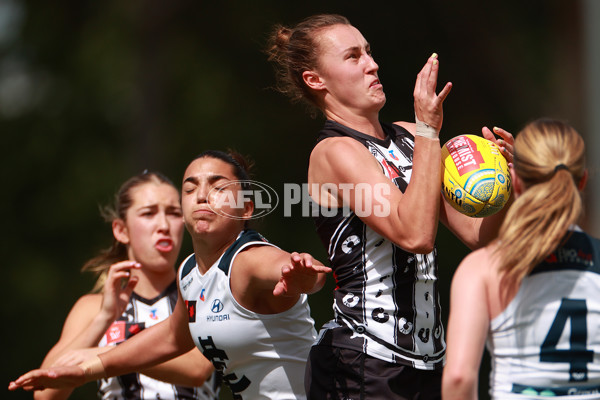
[577, 355]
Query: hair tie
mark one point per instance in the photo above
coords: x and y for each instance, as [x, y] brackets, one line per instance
[560, 166]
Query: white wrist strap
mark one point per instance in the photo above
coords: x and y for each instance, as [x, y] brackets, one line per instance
[426, 131]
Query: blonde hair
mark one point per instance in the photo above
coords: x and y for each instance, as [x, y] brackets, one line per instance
[549, 159]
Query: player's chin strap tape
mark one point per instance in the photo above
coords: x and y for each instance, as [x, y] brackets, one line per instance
[425, 130]
[93, 369]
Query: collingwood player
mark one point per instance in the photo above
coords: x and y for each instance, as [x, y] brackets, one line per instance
[387, 340]
[147, 226]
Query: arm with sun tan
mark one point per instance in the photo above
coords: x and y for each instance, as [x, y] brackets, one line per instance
[468, 325]
[93, 314]
[87, 321]
[407, 219]
[266, 279]
[159, 343]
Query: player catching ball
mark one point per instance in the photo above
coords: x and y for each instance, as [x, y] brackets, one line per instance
[387, 339]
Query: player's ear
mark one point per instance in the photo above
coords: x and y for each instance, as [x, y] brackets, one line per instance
[517, 183]
[313, 80]
[120, 231]
[248, 210]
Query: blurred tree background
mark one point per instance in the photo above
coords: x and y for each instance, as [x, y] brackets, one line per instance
[94, 92]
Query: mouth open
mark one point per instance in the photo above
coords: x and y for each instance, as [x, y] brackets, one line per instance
[164, 245]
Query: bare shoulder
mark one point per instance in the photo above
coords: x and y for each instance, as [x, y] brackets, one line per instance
[330, 159]
[331, 148]
[409, 126]
[479, 263]
[87, 303]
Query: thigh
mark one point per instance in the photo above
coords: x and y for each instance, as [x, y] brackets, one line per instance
[343, 374]
[334, 374]
[389, 381]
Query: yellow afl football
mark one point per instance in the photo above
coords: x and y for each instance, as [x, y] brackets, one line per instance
[475, 176]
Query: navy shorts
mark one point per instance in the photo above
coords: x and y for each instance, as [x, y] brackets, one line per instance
[342, 374]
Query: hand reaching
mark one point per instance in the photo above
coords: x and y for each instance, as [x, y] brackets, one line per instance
[506, 141]
[428, 104]
[116, 294]
[300, 276]
[56, 378]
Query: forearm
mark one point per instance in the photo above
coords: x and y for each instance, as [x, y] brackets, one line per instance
[189, 369]
[418, 209]
[474, 232]
[52, 394]
[148, 348]
[458, 387]
[89, 337]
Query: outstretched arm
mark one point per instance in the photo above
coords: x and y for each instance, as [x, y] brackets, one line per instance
[268, 280]
[303, 274]
[87, 321]
[189, 369]
[161, 342]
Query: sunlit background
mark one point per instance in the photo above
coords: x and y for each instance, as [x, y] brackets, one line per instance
[92, 92]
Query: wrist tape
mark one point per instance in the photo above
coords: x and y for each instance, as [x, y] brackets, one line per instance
[93, 369]
[426, 131]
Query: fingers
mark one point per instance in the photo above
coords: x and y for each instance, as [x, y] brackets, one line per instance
[25, 381]
[423, 77]
[431, 83]
[445, 91]
[124, 267]
[121, 271]
[301, 260]
[322, 268]
[505, 143]
[428, 104]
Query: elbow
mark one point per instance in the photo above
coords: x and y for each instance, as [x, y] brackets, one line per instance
[204, 376]
[457, 385]
[418, 245]
[424, 248]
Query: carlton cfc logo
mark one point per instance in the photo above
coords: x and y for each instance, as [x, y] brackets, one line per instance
[216, 306]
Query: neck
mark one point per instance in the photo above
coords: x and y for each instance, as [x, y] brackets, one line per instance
[209, 249]
[151, 284]
[367, 124]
